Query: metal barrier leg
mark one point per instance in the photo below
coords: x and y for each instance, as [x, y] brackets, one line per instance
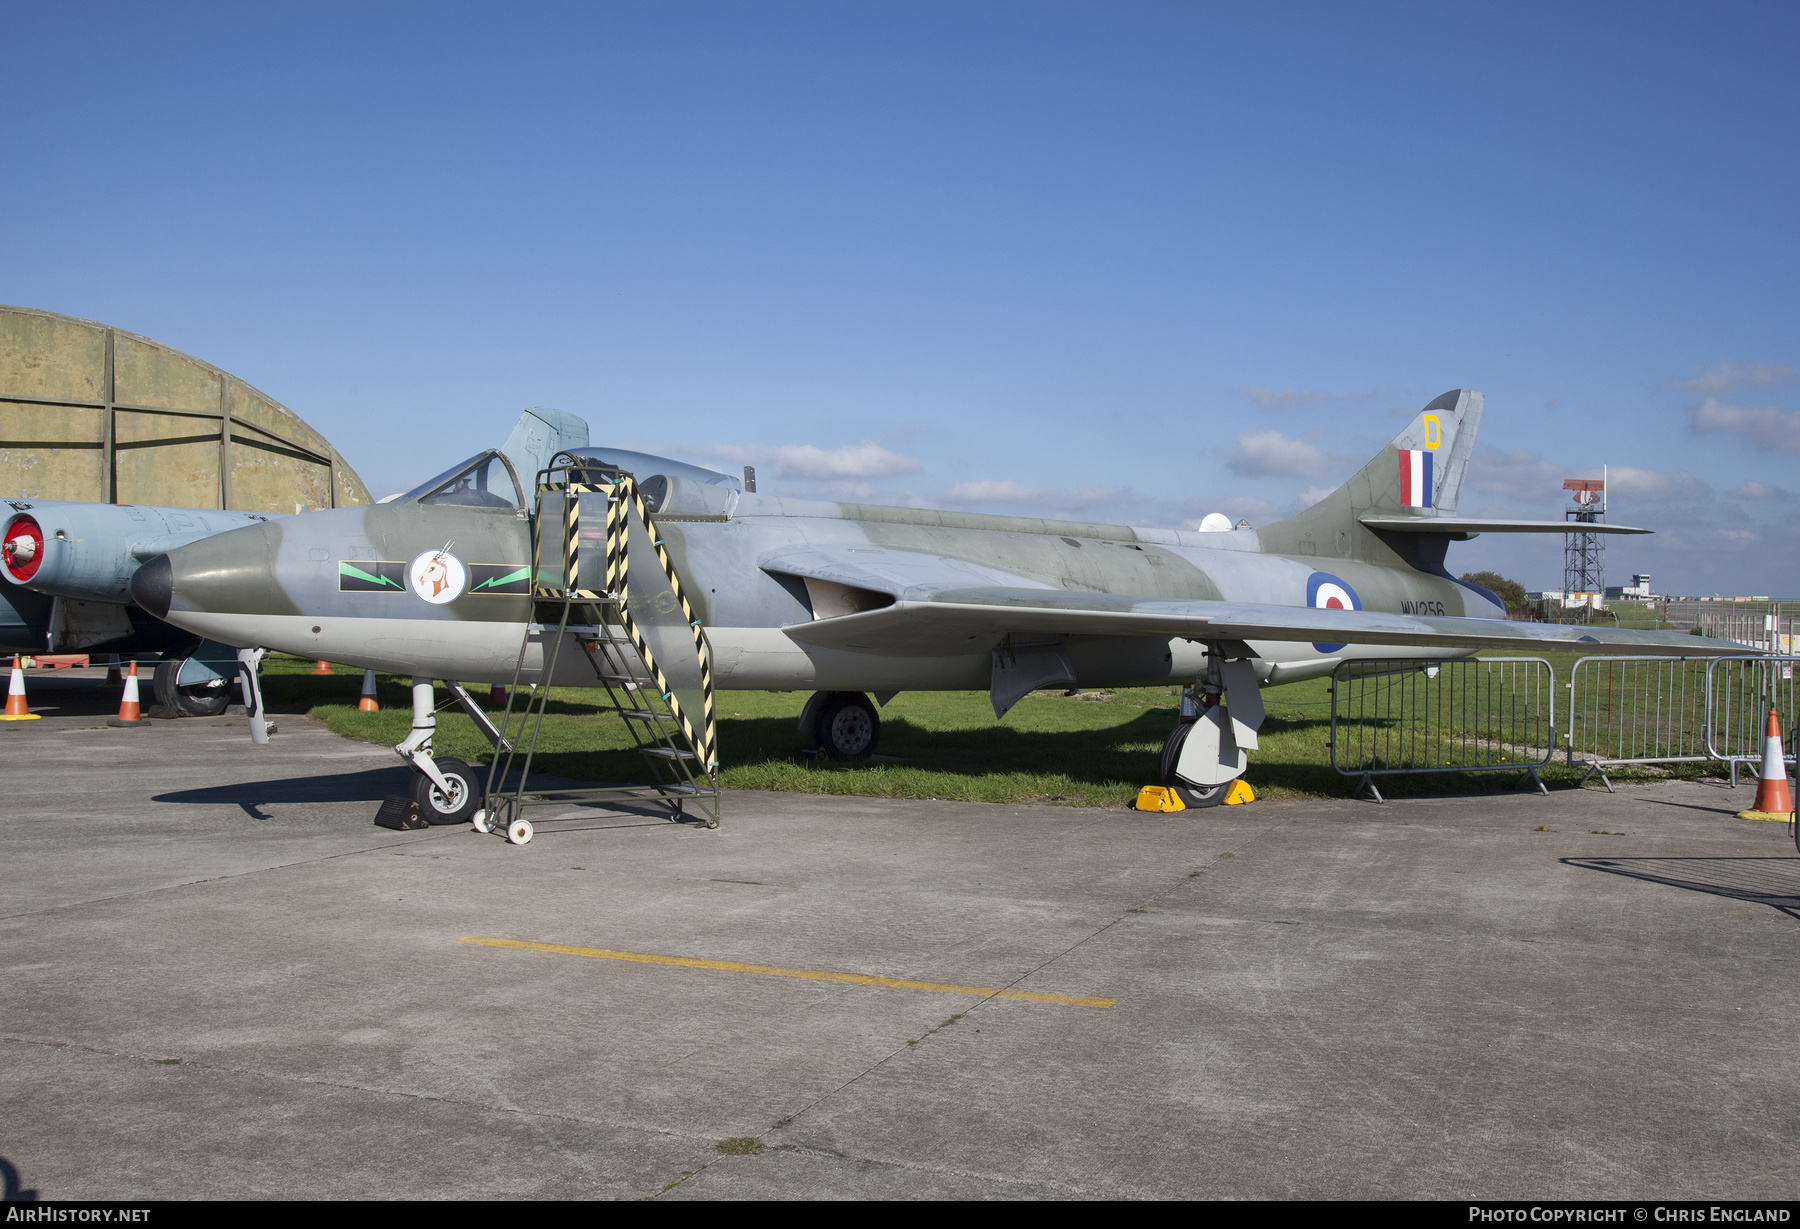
[1367, 782]
[1592, 768]
[1532, 777]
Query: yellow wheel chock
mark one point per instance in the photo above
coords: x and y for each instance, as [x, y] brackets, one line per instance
[1162, 798]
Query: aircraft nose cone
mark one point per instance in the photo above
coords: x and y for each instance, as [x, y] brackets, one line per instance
[153, 585]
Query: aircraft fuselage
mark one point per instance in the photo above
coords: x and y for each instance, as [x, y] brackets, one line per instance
[342, 586]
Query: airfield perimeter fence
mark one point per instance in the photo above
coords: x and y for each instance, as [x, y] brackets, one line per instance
[1765, 627]
[1392, 717]
[1400, 717]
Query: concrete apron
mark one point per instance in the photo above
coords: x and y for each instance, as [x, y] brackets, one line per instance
[1312, 999]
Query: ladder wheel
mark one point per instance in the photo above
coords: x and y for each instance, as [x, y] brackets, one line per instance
[479, 819]
[676, 811]
[520, 832]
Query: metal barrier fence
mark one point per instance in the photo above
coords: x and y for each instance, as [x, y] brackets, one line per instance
[1766, 626]
[1765, 631]
[1496, 714]
[1393, 717]
[1740, 691]
[1636, 710]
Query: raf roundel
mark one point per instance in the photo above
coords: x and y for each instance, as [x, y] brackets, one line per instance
[437, 576]
[1327, 592]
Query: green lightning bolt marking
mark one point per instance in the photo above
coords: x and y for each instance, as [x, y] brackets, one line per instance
[495, 582]
[350, 569]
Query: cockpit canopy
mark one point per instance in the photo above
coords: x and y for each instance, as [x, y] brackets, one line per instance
[488, 480]
[643, 465]
[483, 481]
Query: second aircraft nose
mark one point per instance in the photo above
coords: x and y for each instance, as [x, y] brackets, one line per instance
[153, 584]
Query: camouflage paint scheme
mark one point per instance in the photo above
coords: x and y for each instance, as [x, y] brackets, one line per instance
[848, 597]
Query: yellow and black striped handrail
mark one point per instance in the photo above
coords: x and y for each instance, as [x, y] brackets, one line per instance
[623, 496]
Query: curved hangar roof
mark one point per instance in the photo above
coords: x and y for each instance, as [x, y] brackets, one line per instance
[93, 413]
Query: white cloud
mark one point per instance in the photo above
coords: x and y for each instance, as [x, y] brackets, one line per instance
[1516, 472]
[1312, 495]
[1287, 398]
[1769, 427]
[1655, 485]
[1716, 381]
[1192, 511]
[998, 491]
[850, 462]
[1282, 398]
[1272, 454]
[1756, 490]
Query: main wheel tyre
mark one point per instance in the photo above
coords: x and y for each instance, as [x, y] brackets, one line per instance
[459, 806]
[1192, 796]
[207, 699]
[848, 726]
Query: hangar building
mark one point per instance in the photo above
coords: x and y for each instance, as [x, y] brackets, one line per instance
[93, 413]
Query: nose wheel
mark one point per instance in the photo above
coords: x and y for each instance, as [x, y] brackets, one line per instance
[454, 806]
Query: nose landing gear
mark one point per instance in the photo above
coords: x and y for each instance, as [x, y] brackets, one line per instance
[455, 805]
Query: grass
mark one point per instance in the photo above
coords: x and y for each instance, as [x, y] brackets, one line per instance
[1098, 749]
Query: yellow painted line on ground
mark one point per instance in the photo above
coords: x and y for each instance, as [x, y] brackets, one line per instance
[733, 966]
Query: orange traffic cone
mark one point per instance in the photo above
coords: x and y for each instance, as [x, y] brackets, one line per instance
[129, 713]
[323, 667]
[367, 703]
[497, 696]
[1773, 800]
[15, 697]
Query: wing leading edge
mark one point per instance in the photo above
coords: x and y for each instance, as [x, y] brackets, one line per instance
[968, 619]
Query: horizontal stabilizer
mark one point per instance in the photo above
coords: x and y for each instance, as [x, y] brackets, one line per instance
[1475, 524]
[973, 620]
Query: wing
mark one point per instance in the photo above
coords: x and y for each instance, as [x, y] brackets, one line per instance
[970, 619]
[1458, 526]
[950, 606]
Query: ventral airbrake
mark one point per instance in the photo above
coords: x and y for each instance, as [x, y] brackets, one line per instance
[852, 600]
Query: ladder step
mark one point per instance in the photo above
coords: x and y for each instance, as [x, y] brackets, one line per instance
[643, 714]
[665, 753]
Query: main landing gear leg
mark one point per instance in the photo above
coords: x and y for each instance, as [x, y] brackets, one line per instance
[1203, 756]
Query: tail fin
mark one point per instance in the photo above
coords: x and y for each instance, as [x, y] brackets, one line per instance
[1419, 474]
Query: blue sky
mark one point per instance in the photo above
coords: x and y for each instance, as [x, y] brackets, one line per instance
[1114, 261]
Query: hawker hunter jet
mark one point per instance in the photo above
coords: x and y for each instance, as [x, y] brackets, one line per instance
[849, 600]
[66, 569]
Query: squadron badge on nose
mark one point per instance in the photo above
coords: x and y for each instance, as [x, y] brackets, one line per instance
[437, 576]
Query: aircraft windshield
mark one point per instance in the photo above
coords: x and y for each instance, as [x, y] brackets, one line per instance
[485, 481]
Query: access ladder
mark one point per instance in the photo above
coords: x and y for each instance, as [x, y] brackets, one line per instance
[637, 632]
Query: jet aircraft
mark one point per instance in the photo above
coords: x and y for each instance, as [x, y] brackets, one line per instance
[848, 599]
[66, 569]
